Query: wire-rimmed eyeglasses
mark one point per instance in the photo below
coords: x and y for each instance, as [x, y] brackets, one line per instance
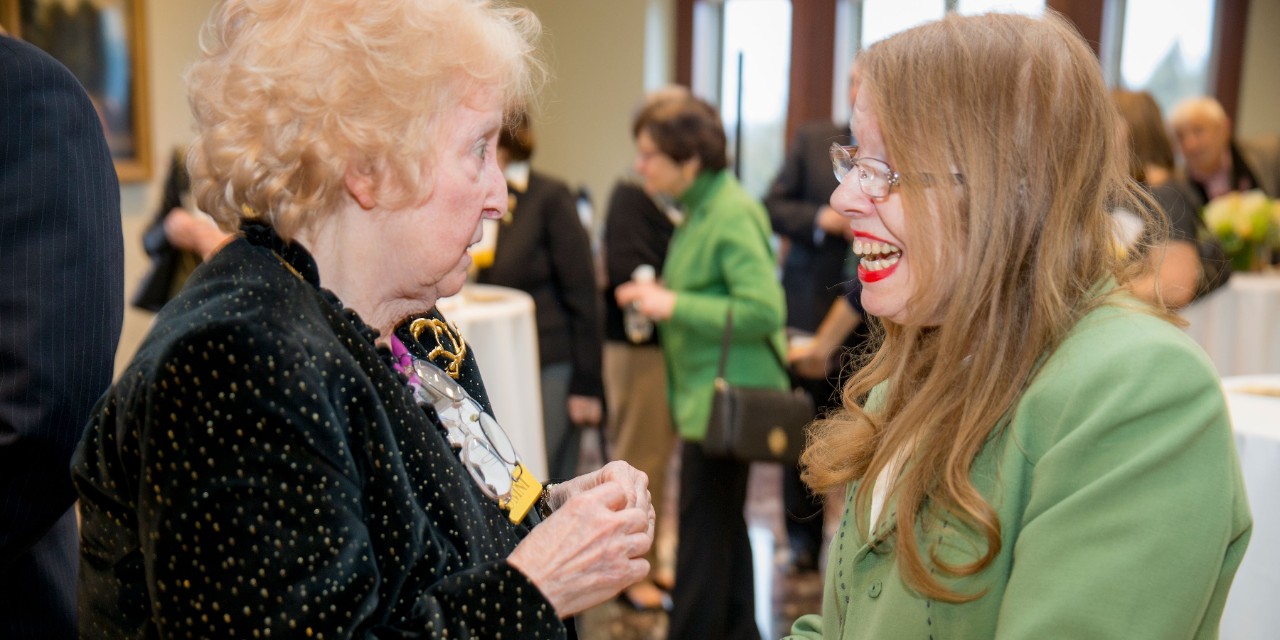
[484, 448]
[875, 177]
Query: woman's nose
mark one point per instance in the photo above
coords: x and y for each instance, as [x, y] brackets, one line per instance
[848, 199]
[497, 194]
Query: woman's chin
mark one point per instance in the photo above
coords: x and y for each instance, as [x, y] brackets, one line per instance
[453, 281]
[883, 307]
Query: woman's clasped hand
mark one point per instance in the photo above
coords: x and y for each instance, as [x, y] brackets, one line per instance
[594, 543]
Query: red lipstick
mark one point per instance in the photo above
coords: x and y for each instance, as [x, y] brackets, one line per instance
[876, 276]
[866, 275]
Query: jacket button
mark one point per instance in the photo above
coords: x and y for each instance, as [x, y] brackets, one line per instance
[874, 591]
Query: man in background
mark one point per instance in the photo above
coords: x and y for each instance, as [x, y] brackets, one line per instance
[1214, 162]
[816, 248]
[61, 307]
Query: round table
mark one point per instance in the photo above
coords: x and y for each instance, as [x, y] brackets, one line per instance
[1251, 611]
[1239, 324]
[498, 325]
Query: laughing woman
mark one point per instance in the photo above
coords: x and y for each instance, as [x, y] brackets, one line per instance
[1040, 455]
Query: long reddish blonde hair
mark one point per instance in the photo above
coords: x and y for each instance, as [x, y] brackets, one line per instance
[1018, 106]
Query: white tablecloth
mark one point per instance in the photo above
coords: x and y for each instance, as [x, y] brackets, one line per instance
[498, 325]
[1239, 325]
[1253, 605]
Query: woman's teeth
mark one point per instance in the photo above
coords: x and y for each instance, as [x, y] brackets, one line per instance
[875, 256]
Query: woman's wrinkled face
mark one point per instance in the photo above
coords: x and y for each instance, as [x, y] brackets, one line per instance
[433, 235]
[661, 174]
[881, 242]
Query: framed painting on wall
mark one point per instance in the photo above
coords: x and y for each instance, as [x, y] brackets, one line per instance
[102, 42]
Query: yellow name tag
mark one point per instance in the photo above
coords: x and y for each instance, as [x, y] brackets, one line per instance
[525, 491]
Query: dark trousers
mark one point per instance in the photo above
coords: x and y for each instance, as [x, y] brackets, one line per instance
[563, 440]
[38, 590]
[804, 518]
[803, 509]
[714, 596]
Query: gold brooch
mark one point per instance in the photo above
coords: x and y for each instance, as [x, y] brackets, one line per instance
[454, 353]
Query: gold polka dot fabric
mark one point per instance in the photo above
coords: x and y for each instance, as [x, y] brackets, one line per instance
[260, 471]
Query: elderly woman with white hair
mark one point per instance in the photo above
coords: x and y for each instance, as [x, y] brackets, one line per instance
[302, 446]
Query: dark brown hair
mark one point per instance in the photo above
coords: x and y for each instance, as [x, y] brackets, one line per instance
[1148, 137]
[516, 137]
[683, 129]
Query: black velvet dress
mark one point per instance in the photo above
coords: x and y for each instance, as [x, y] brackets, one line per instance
[260, 470]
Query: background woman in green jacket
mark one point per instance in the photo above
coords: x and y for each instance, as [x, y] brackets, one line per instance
[720, 259]
[1041, 455]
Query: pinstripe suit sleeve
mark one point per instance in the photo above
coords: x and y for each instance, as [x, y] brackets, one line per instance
[61, 286]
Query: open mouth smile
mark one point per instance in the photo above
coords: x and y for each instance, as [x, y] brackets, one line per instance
[877, 259]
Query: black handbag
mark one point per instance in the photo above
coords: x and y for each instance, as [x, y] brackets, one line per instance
[752, 424]
[170, 265]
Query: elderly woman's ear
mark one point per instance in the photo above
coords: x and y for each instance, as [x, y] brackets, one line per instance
[361, 184]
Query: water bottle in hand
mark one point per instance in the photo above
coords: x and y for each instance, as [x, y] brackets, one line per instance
[639, 327]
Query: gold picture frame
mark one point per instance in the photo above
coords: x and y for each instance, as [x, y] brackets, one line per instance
[103, 42]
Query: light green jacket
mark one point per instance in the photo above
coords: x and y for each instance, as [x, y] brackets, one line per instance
[720, 258]
[1120, 498]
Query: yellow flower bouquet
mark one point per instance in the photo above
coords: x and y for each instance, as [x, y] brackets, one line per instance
[1248, 224]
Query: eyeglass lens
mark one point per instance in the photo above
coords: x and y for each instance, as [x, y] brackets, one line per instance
[873, 175]
[485, 448]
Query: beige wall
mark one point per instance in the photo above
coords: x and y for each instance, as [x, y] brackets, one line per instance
[597, 53]
[172, 43]
[1259, 109]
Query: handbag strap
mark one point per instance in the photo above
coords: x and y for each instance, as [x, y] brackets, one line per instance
[728, 337]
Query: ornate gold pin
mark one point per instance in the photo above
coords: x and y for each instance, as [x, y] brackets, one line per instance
[454, 353]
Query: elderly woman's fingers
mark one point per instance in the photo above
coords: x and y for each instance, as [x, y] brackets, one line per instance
[610, 495]
[632, 481]
[637, 566]
[589, 550]
[636, 481]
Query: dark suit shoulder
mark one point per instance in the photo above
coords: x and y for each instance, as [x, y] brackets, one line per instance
[544, 182]
[24, 66]
[546, 199]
